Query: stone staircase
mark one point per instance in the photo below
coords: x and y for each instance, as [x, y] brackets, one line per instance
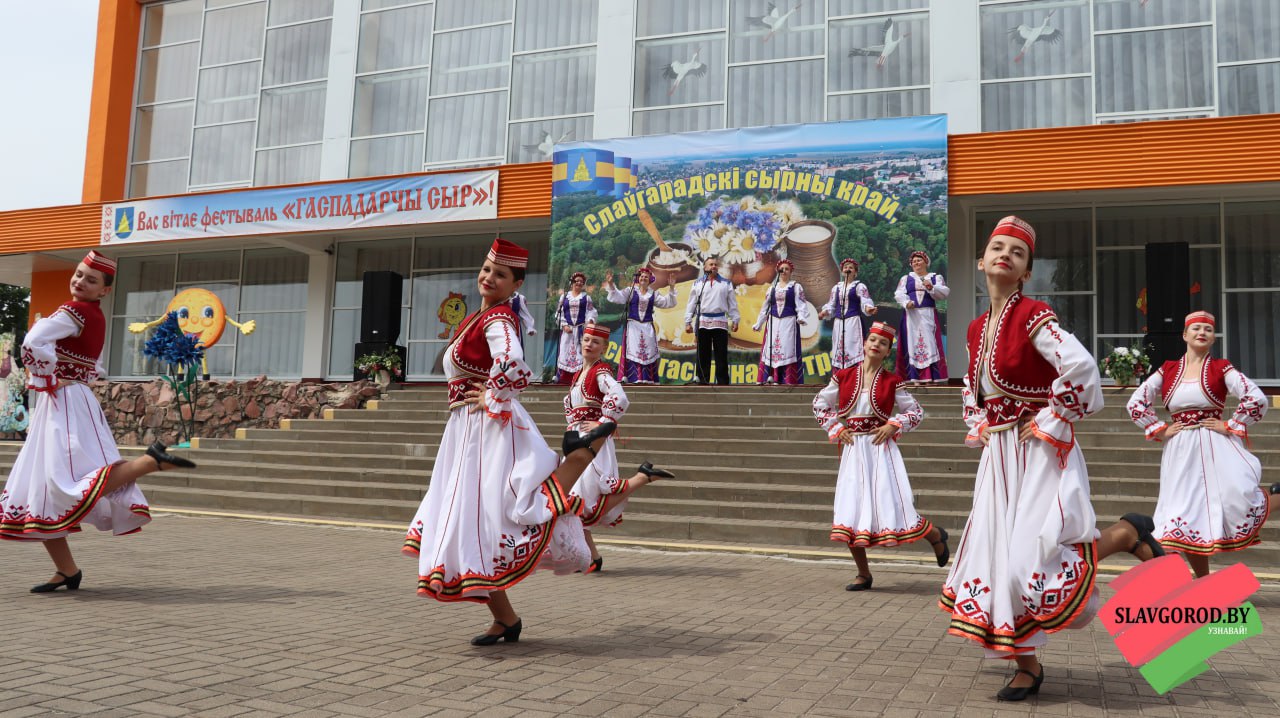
[753, 466]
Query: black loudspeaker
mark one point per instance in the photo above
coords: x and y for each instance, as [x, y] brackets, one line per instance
[1168, 299]
[380, 307]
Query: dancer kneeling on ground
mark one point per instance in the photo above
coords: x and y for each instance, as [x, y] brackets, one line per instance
[69, 471]
[873, 496]
[596, 398]
[1027, 562]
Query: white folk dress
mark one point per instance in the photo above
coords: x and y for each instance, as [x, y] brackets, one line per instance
[920, 333]
[56, 482]
[1025, 565]
[569, 311]
[846, 306]
[493, 511]
[606, 402]
[1210, 500]
[641, 339]
[873, 503]
[782, 333]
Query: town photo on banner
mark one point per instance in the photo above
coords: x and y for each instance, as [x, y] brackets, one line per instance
[870, 190]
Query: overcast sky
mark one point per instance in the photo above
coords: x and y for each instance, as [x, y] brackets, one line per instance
[47, 56]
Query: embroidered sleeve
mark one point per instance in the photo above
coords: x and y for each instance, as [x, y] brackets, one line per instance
[1077, 392]
[831, 306]
[865, 295]
[910, 413]
[940, 289]
[826, 409]
[1141, 406]
[615, 399]
[765, 307]
[560, 318]
[802, 305]
[617, 296]
[900, 294]
[667, 300]
[40, 348]
[733, 304]
[1252, 406]
[509, 375]
[974, 417]
[568, 407]
[694, 295]
[526, 319]
[591, 311]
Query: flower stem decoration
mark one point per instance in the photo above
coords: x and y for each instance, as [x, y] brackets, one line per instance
[1124, 364]
[181, 355]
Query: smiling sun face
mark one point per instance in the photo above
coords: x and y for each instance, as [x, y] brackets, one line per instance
[200, 314]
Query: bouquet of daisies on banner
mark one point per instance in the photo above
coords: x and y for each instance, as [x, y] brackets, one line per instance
[744, 233]
[1124, 364]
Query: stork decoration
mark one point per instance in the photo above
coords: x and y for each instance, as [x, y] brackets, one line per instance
[679, 70]
[1027, 35]
[548, 144]
[775, 19]
[886, 47]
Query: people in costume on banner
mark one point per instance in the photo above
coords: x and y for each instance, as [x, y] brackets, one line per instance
[873, 504]
[920, 354]
[1211, 500]
[496, 507]
[849, 301]
[711, 314]
[595, 397]
[1027, 562]
[783, 311]
[573, 312]
[638, 363]
[69, 471]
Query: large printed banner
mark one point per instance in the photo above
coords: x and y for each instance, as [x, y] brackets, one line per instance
[871, 190]
[443, 197]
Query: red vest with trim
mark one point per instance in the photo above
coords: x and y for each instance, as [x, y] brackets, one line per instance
[1023, 379]
[1213, 381]
[592, 410]
[470, 350]
[78, 355]
[884, 387]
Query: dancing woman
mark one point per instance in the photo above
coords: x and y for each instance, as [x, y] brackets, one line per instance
[639, 362]
[848, 302]
[873, 496]
[1026, 564]
[1210, 498]
[783, 311]
[920, 355]
[574, 311]
[69, 471]
[495, 507]
[596, 398]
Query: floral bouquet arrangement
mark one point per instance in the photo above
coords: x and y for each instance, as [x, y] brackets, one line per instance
[1124, 364]
[387, 360]
[181, 354]
[743, 231]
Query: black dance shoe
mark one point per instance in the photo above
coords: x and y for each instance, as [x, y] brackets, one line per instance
[574, 440]
[946, 550]
[654, 472]
[596, 565]
[160, 453]
[1145, 525]
[71, 582]
[1009, 693]
[855, 586]
[1275, 488]
[510, 634]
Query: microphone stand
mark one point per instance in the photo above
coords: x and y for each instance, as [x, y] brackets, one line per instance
[768, 327]
[697, 325]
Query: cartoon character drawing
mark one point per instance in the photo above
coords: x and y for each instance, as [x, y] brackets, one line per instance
[452, 311]
[201, 316]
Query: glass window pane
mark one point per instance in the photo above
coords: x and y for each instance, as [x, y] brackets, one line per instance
[533, 141]
[386, 156]
[1138, 226]
[785, 30]
[222, 153]
[466, 127]
[855, 7]
[471, 60]
[287, 165]
[1045, 37]
[430, 291]
[1251, 333]
[274, 279]
[228, 93]
[210, 267]
[1252, 261]
[854, 55]
[1155, 70]
[144, 285]
[543, 24]
[664, 17]
[162, 132]
[390, 102]
[1064, 248]
[461, 13]
[233, 34]
[297, 53]
[1124, 14]
[871, 105]
[426, 359]
[1249, 89]
[680, 70]
[158, 178]
[164, 23]
[286, 11]
[396, 38]
[1122, 275]
[275, 348]
[684, 119]
[342, 341]
[553, 83]
[125, 357]
[168, 73]
[379, 4]
[356, 258]
[1036, 103]
[775, 94]
[292, 115]
[1248, 30]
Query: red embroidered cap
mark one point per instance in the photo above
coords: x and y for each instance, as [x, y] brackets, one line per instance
[596, 330]
[508, 254]
[788, 263]
[1200, 317]
[644, 271]
[918, 253]
[848, 262]
[884, 330]
[576, 276]
[100, 262]
[1017, 228]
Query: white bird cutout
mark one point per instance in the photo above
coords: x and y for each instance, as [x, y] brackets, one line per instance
[548, 144]
[886, 46]
[775, 19]
[1029, 36]
[679, 70]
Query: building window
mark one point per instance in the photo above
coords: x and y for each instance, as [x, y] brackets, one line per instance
[1253, 287]
[871, 59]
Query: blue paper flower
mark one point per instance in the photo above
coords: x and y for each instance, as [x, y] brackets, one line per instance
[170, 345]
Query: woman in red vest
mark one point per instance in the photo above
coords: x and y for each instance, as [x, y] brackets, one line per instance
[1026, 564]
[873, 504]
[69, 471]
[595, 397]
[1210, 497]
[494, 510]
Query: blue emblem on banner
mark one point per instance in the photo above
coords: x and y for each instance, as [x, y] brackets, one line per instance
[123, 222]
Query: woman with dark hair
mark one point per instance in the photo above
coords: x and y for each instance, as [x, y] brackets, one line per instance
[783, 311]
[920, 354]
[574, 311]
[638, 361]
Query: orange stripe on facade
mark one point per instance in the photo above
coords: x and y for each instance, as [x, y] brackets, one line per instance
[49, 228]
[524, 190]
[111, 103]
[1221, 150]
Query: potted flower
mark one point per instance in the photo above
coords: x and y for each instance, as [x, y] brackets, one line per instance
[1125, 364]
[381, 366]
